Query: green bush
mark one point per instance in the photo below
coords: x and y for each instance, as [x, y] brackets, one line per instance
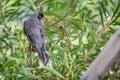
[87, 26]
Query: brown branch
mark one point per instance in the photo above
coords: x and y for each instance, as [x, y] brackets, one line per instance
[94, 45]
[3, 14]
[98, 39]
[57, 21]
[30, 60]
[70, 69]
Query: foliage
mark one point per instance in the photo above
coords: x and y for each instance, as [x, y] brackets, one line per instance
[76, 30]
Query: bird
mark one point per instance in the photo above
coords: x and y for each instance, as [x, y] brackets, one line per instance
[34, 31]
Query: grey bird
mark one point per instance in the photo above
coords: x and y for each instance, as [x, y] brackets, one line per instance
[34, 31]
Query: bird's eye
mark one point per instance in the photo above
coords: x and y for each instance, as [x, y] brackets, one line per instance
[41, 15]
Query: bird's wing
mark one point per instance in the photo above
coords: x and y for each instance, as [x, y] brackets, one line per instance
[41, 28]
[27, 32]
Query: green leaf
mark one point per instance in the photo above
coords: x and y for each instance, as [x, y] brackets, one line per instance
[101, 16]
[117, 11]
[53, 71]
[10, 2]
[8, 64]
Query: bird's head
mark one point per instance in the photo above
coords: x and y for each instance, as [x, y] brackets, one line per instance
[40, 15]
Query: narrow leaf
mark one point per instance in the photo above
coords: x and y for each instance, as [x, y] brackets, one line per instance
[52, 70]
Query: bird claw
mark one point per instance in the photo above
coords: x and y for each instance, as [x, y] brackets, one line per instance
[33, 49]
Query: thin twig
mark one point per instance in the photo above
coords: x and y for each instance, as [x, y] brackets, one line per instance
[57, 21]
[70, 69]
[39, 5]
[94, 45]
[98, 39]
[30, 61]
[3, 14]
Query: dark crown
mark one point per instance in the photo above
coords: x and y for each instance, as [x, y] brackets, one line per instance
[41, 14]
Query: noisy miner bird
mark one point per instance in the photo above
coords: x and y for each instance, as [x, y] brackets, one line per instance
[34, 31]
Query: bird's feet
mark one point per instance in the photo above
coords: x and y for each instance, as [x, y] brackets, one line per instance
[33, 49]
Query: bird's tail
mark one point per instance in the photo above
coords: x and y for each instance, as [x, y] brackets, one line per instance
[43, 59]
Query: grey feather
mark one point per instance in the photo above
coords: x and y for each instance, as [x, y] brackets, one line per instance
[34, 31]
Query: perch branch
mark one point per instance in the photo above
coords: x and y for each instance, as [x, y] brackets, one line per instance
[30, 61]
[57, 21]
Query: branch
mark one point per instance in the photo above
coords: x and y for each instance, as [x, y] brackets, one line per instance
[105, 59]
[8, 45]
[30, 60]
[57, 21]
[3, 14]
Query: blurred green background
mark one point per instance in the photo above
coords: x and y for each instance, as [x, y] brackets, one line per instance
[81, 30]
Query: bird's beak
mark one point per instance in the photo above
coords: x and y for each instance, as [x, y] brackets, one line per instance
[44, 17]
